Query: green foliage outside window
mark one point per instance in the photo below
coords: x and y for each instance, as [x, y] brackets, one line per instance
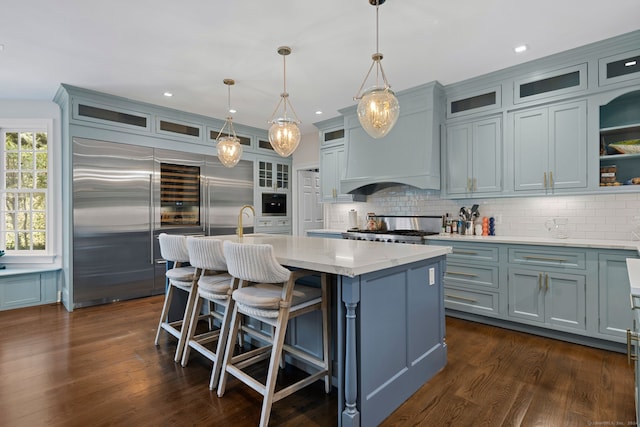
[24, 192]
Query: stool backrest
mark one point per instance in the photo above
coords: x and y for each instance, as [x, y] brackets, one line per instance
[173, 247]
[206, 253]
[254, 263]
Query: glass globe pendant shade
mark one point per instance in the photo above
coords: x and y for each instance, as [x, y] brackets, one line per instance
[378, 111]
[229, 151]
[284, 136]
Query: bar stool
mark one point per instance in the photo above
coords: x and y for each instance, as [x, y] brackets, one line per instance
[174, 248]
[215, 286]
[273, 299]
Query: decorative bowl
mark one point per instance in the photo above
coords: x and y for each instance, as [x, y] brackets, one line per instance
[631, 146]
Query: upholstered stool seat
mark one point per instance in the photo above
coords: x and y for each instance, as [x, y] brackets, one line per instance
[273, 298]
[181, 275]
[264, 299]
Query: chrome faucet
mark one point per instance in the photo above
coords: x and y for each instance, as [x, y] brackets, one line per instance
[239, 229]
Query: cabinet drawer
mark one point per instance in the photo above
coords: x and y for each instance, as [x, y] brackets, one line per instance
[549, 257]
[470, 275]
[476, 252]
[472, 301]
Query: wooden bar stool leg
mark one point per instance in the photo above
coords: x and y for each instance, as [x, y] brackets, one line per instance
[229, 350]
[165, 312]
[274, 365]
[191, 299]
[191, 331]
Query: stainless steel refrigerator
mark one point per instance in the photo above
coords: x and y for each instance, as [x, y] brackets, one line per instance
[124, 196]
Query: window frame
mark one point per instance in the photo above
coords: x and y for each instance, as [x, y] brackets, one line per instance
[48, 255]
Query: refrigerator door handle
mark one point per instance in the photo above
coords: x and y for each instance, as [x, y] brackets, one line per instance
[205, 211]
[151, 216]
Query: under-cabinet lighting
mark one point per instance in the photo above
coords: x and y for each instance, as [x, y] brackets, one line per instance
[626, 64]
[520, 49]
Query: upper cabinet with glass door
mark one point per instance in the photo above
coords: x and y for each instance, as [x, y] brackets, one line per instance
[273, 175]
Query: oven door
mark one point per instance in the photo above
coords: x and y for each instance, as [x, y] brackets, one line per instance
[274, 204]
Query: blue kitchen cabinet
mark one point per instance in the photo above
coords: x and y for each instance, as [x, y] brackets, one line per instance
[550, 148]
[473, 165]
[472, 281]
[556, 299]
[548, 285]
[28, 287]
[615, 311]
[332, 166]
[332, 162]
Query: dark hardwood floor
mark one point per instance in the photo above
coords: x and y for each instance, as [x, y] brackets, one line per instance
[98, 366]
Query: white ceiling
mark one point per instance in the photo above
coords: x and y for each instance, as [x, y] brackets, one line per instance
[139, 49]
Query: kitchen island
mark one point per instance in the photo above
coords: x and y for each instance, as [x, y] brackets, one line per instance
[390, 322]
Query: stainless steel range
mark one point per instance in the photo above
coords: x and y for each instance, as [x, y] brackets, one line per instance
[398, 229]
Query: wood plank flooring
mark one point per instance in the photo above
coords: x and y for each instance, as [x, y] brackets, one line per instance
[98, 366]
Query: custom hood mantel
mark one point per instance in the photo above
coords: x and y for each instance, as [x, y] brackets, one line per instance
[409, 154]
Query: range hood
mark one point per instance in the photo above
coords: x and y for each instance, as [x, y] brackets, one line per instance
[408, 155]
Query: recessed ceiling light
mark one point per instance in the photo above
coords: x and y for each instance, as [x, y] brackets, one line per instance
[318, 112]
[168, 94]
[1, 47]
[520, 49]
[233, 111]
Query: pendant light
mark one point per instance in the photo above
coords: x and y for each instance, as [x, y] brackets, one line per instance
[229, 147]
[378, 109]
[284, 134]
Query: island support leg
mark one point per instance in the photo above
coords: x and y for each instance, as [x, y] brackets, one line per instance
[351, 298]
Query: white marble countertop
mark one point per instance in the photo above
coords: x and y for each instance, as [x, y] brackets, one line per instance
[340, 256]
[633, 268]
[547, 241]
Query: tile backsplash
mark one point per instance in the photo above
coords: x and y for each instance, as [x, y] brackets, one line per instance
[602, 217]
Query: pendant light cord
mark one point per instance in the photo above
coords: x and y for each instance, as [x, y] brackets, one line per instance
[377, 42]
[284, 84]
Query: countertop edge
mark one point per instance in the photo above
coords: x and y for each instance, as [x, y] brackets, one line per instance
[542, 241]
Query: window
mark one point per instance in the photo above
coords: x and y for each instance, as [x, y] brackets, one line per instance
[24, 183]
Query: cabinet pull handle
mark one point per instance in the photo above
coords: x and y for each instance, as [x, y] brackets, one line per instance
[458, 251]
[459, 273]
[542, 258]
[551, 179]
[335, 193]
[546, 282]
[460, 298]
[545, 180]
[468, 184]
[539, 281]
[631, 336]
[475, 184]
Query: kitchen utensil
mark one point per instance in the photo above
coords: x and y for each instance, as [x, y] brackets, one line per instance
[474, 211]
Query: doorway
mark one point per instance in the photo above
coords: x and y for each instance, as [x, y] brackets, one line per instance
[309, 200]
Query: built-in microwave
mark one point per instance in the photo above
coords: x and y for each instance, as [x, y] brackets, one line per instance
[274, 204]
